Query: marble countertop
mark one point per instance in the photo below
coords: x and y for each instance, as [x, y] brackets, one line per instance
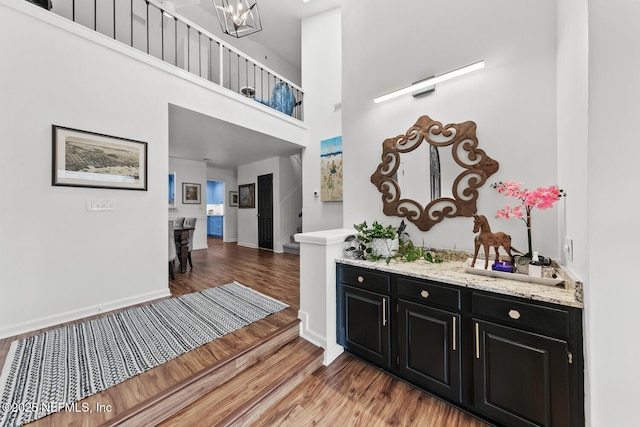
[569, 293]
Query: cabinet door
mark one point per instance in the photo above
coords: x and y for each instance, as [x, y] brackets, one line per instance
[219, 197]
[364, 319]
[210, 191]
[220, 228]
[429, 351]
[520, 378]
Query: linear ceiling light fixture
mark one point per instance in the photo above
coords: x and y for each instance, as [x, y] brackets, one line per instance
[431, 81]
[238, 18]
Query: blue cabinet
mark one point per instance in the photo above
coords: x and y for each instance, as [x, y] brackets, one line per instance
[215, 193]
[215, 226]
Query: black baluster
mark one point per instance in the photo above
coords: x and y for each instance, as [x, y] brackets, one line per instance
[162, 33]
[188, 48]
[131, 23]
[147, 24]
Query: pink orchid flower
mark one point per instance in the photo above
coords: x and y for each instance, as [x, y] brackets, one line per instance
[541, 198]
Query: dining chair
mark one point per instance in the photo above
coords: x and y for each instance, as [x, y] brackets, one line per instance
[172, 251]
[179, 222]
[190, 223]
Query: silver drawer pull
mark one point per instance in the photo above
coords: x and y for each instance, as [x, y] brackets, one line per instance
[514, 314]
[424, 294]
[360, 279]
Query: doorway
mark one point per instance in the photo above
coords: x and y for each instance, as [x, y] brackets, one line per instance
[265, 211]
[215, 209]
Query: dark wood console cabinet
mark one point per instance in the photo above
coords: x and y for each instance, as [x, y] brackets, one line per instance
[508, 360]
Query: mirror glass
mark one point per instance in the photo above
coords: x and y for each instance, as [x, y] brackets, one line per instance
[172, 190]
[419, 174]
[432, 172]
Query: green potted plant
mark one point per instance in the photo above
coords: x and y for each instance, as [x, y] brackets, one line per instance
[374, 242]
[378, 242]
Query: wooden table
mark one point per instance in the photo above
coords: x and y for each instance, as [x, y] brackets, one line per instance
[181, 235]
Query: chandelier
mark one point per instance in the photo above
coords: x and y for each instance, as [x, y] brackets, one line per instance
[238, 18]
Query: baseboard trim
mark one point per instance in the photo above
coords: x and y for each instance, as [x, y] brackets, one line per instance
[57, 319]
[331, 350]
[248, 245]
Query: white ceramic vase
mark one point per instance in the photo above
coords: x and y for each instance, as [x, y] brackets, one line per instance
[384, 247]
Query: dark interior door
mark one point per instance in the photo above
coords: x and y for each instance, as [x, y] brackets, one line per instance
[265, 211]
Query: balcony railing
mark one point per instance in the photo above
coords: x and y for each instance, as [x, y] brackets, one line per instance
[150, 28]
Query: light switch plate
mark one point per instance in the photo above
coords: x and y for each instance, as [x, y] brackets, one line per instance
[100, 205]
[568, 248]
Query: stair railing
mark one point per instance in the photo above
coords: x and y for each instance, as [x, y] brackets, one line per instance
[150, 27]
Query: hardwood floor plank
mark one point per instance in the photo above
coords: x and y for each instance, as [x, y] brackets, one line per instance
[241, 398]
[350, 392]
[346, 393]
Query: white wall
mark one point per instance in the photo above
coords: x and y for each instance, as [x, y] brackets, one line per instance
[573, 103]
[573, 152]
[290, 197]
[613, 151]
[63, 262]
[230, 180]
[512, 100]
[194, 172]
[322, 82]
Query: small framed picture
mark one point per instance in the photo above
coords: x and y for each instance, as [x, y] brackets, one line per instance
[190, 193]
[247, 195]
[233, 198]
[87, 159]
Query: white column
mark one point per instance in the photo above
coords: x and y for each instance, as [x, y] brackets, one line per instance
[318, 251]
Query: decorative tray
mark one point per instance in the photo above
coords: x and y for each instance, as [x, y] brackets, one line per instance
[479, 269]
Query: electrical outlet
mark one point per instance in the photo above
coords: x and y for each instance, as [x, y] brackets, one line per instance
[568, 248]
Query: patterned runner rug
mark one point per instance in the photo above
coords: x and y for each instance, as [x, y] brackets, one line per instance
[48, 372]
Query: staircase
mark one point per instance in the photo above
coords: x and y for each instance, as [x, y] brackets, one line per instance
[292, 247]
[235, 391]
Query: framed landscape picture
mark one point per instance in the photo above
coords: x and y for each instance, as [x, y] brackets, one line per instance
[247, 195]
[87, 159]
[190, 193]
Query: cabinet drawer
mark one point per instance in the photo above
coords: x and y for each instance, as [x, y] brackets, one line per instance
[365, 279]
[429, 293]
[523, 315]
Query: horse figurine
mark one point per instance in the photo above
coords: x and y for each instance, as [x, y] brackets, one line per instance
[486, 239]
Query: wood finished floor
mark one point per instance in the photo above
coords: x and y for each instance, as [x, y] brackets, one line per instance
[346, 393]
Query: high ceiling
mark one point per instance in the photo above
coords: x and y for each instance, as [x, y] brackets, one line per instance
[190, 132]
[280, 21]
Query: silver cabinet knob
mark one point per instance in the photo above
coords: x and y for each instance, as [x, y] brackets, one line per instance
[360, 279]
[514, 314]
[424, 294]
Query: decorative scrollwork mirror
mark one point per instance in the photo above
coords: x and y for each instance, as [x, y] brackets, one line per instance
[477, 167]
